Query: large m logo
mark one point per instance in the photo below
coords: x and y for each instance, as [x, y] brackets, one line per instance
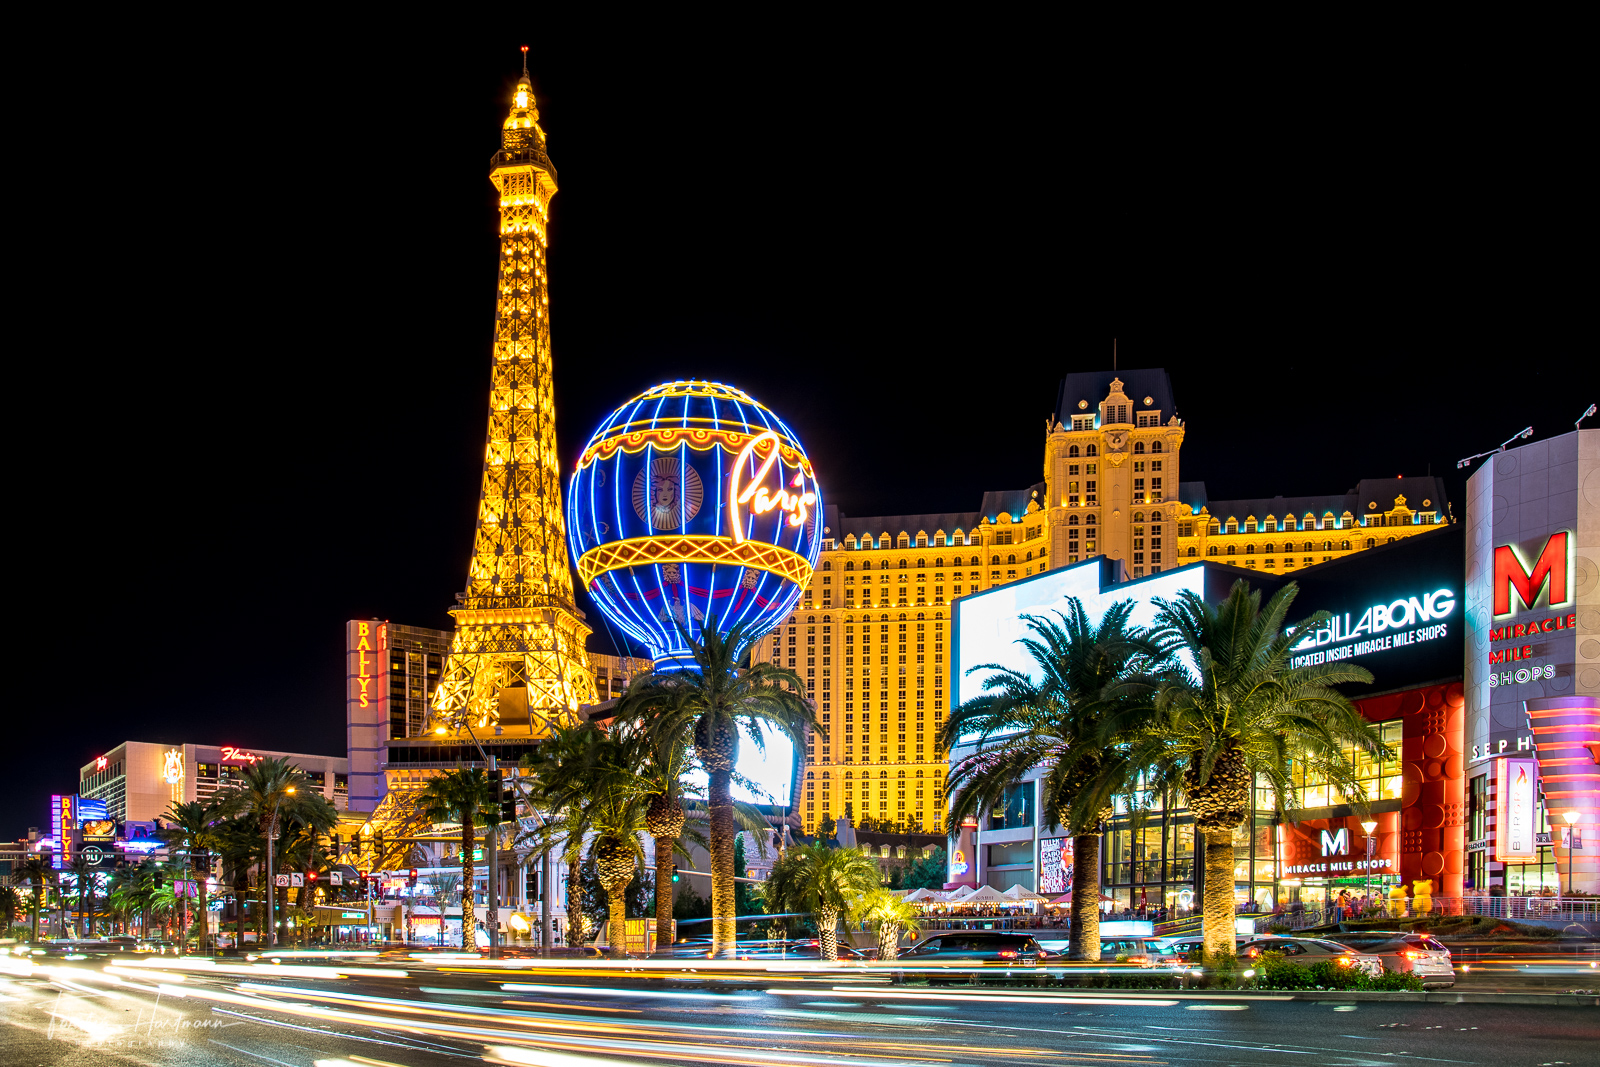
[1336, 843]
[1551, 566]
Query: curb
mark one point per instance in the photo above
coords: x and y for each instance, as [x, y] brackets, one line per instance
[1445, 996]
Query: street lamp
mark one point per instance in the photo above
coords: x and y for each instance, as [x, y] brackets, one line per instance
[1369, 826]
[272, 902]
[1572, 818]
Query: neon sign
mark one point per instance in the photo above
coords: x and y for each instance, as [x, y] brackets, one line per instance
[1514, 829]
[1336, 843]
[238, 755]
[366, 642]
[100, 763]
[1407, 611]
[172, 766]
[1551, 567]
[761, 499]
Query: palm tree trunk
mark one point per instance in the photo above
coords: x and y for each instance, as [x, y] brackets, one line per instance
[1083, 941]
[724, 929]
[617, 921]
[1218, 920]
[828, 932]
[577, 922]
[666, 865]
[38, 906]
[888, 941]
[469, 923]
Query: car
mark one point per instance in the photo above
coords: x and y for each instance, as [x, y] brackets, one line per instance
[1408, 952]
[1312, 950]
[963, 947]
[1185, 949]
[1144, 951]
[798, 950]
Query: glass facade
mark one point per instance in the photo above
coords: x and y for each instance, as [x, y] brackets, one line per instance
[1149, 857]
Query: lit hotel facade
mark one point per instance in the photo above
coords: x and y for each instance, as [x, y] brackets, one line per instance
[872, 635]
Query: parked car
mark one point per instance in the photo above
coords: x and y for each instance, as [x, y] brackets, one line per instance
[964, 947]
[1186, 949]
[1307, 951]
[798, 950]
[1408, 952]
[1144, 951]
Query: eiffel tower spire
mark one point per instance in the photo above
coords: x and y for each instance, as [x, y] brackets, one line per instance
[518, 660]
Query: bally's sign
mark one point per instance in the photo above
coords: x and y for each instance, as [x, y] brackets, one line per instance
[1399, 623]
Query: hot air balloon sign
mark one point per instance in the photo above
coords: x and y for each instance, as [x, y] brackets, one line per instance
[692, 502]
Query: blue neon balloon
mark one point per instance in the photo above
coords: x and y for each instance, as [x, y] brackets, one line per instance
[693, 501]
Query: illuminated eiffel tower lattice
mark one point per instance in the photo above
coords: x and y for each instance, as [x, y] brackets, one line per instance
[518, 661]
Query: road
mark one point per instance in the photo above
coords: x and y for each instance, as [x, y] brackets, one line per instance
[325, 1013]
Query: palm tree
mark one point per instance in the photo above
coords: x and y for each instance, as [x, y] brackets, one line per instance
[268, 791]
[824, 881]
[83, 875]
[663, 771]
[465, 796]
[707, 708]
[10, 907]
[37, 872]
[891, 916]
[589, 778]
[190, 826]
[1243, 715]
[1019, 725]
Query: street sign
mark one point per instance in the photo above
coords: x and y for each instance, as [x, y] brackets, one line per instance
[297, 880]
[281, 881]
[1571, 837]
[335, 878]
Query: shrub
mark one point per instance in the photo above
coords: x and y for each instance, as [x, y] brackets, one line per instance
[1275, 972]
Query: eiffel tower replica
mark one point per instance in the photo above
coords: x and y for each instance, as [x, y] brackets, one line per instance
[518, 664]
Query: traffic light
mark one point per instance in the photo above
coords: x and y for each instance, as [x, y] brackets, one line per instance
[676, 876]
[508, 808]
[411, 879]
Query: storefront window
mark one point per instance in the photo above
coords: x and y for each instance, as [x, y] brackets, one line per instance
[1015, 808]
[1180, 852]
[1380, 779]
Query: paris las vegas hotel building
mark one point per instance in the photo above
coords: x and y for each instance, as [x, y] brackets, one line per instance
[872, 634]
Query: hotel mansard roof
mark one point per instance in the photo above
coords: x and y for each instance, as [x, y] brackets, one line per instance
[1090, 388]
[1011, 502]
[1371, 496]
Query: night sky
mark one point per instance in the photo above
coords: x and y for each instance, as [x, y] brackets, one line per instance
[254, 289]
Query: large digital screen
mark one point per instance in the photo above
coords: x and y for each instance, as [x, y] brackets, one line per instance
[92, 809]
[770, 770]
[988, 625]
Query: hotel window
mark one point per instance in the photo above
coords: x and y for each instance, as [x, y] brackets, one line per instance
[1211, 550]
[1138, 489]
[1233, 550]
[1192, 553]
[1185, 529]
[1249, 550]
[1079, 423]
[1371, 543]
[1072, 453]
[1155, 464]
[1089, 492]
[1233, 526]
[1155, 483]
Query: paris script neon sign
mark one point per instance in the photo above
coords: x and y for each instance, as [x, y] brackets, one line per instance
[761, 499]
